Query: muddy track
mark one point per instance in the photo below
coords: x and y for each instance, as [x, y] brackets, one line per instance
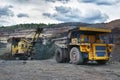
[50, 70]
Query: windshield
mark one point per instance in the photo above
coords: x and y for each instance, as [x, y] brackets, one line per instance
[106, 38]
[96, 38]
[91, 37]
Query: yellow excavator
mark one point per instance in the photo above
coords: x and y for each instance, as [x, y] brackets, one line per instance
[23, 47]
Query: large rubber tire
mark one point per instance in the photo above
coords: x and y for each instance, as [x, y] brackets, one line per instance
[59, 55]
[102, 62]
[76, 56]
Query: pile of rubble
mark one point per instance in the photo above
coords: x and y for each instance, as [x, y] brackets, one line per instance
[43, 51]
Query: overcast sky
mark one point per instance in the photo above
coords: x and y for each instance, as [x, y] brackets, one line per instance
[56, 11]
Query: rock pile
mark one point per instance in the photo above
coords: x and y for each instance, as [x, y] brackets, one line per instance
[43, 51]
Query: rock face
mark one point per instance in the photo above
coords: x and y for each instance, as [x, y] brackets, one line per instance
[116, 51]
[113, 24]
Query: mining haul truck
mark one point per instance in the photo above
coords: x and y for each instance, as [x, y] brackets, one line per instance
[84, 44]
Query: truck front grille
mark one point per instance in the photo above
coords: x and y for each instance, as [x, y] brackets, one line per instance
[100, 54]
[100, 51]
[100, 48]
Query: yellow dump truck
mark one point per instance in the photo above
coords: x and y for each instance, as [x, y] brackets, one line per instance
[22, 47]
[85, 44]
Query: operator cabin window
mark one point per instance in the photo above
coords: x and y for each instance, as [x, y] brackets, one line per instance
[75, 36]
[107, 38]
[91, 38]
[83, 38]
[97, 39]
[79, 37]
[104, 38]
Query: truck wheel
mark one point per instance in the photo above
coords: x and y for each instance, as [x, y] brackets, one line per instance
[76, 56]
[102, 61]
[59, 55]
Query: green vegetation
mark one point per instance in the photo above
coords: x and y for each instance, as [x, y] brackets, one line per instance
[24, 26]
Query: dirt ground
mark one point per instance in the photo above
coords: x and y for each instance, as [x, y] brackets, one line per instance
[50, 70]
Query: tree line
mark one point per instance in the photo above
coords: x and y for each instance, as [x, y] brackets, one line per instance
[23, 26]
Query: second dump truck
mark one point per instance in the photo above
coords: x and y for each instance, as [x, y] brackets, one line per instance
[84, 44]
